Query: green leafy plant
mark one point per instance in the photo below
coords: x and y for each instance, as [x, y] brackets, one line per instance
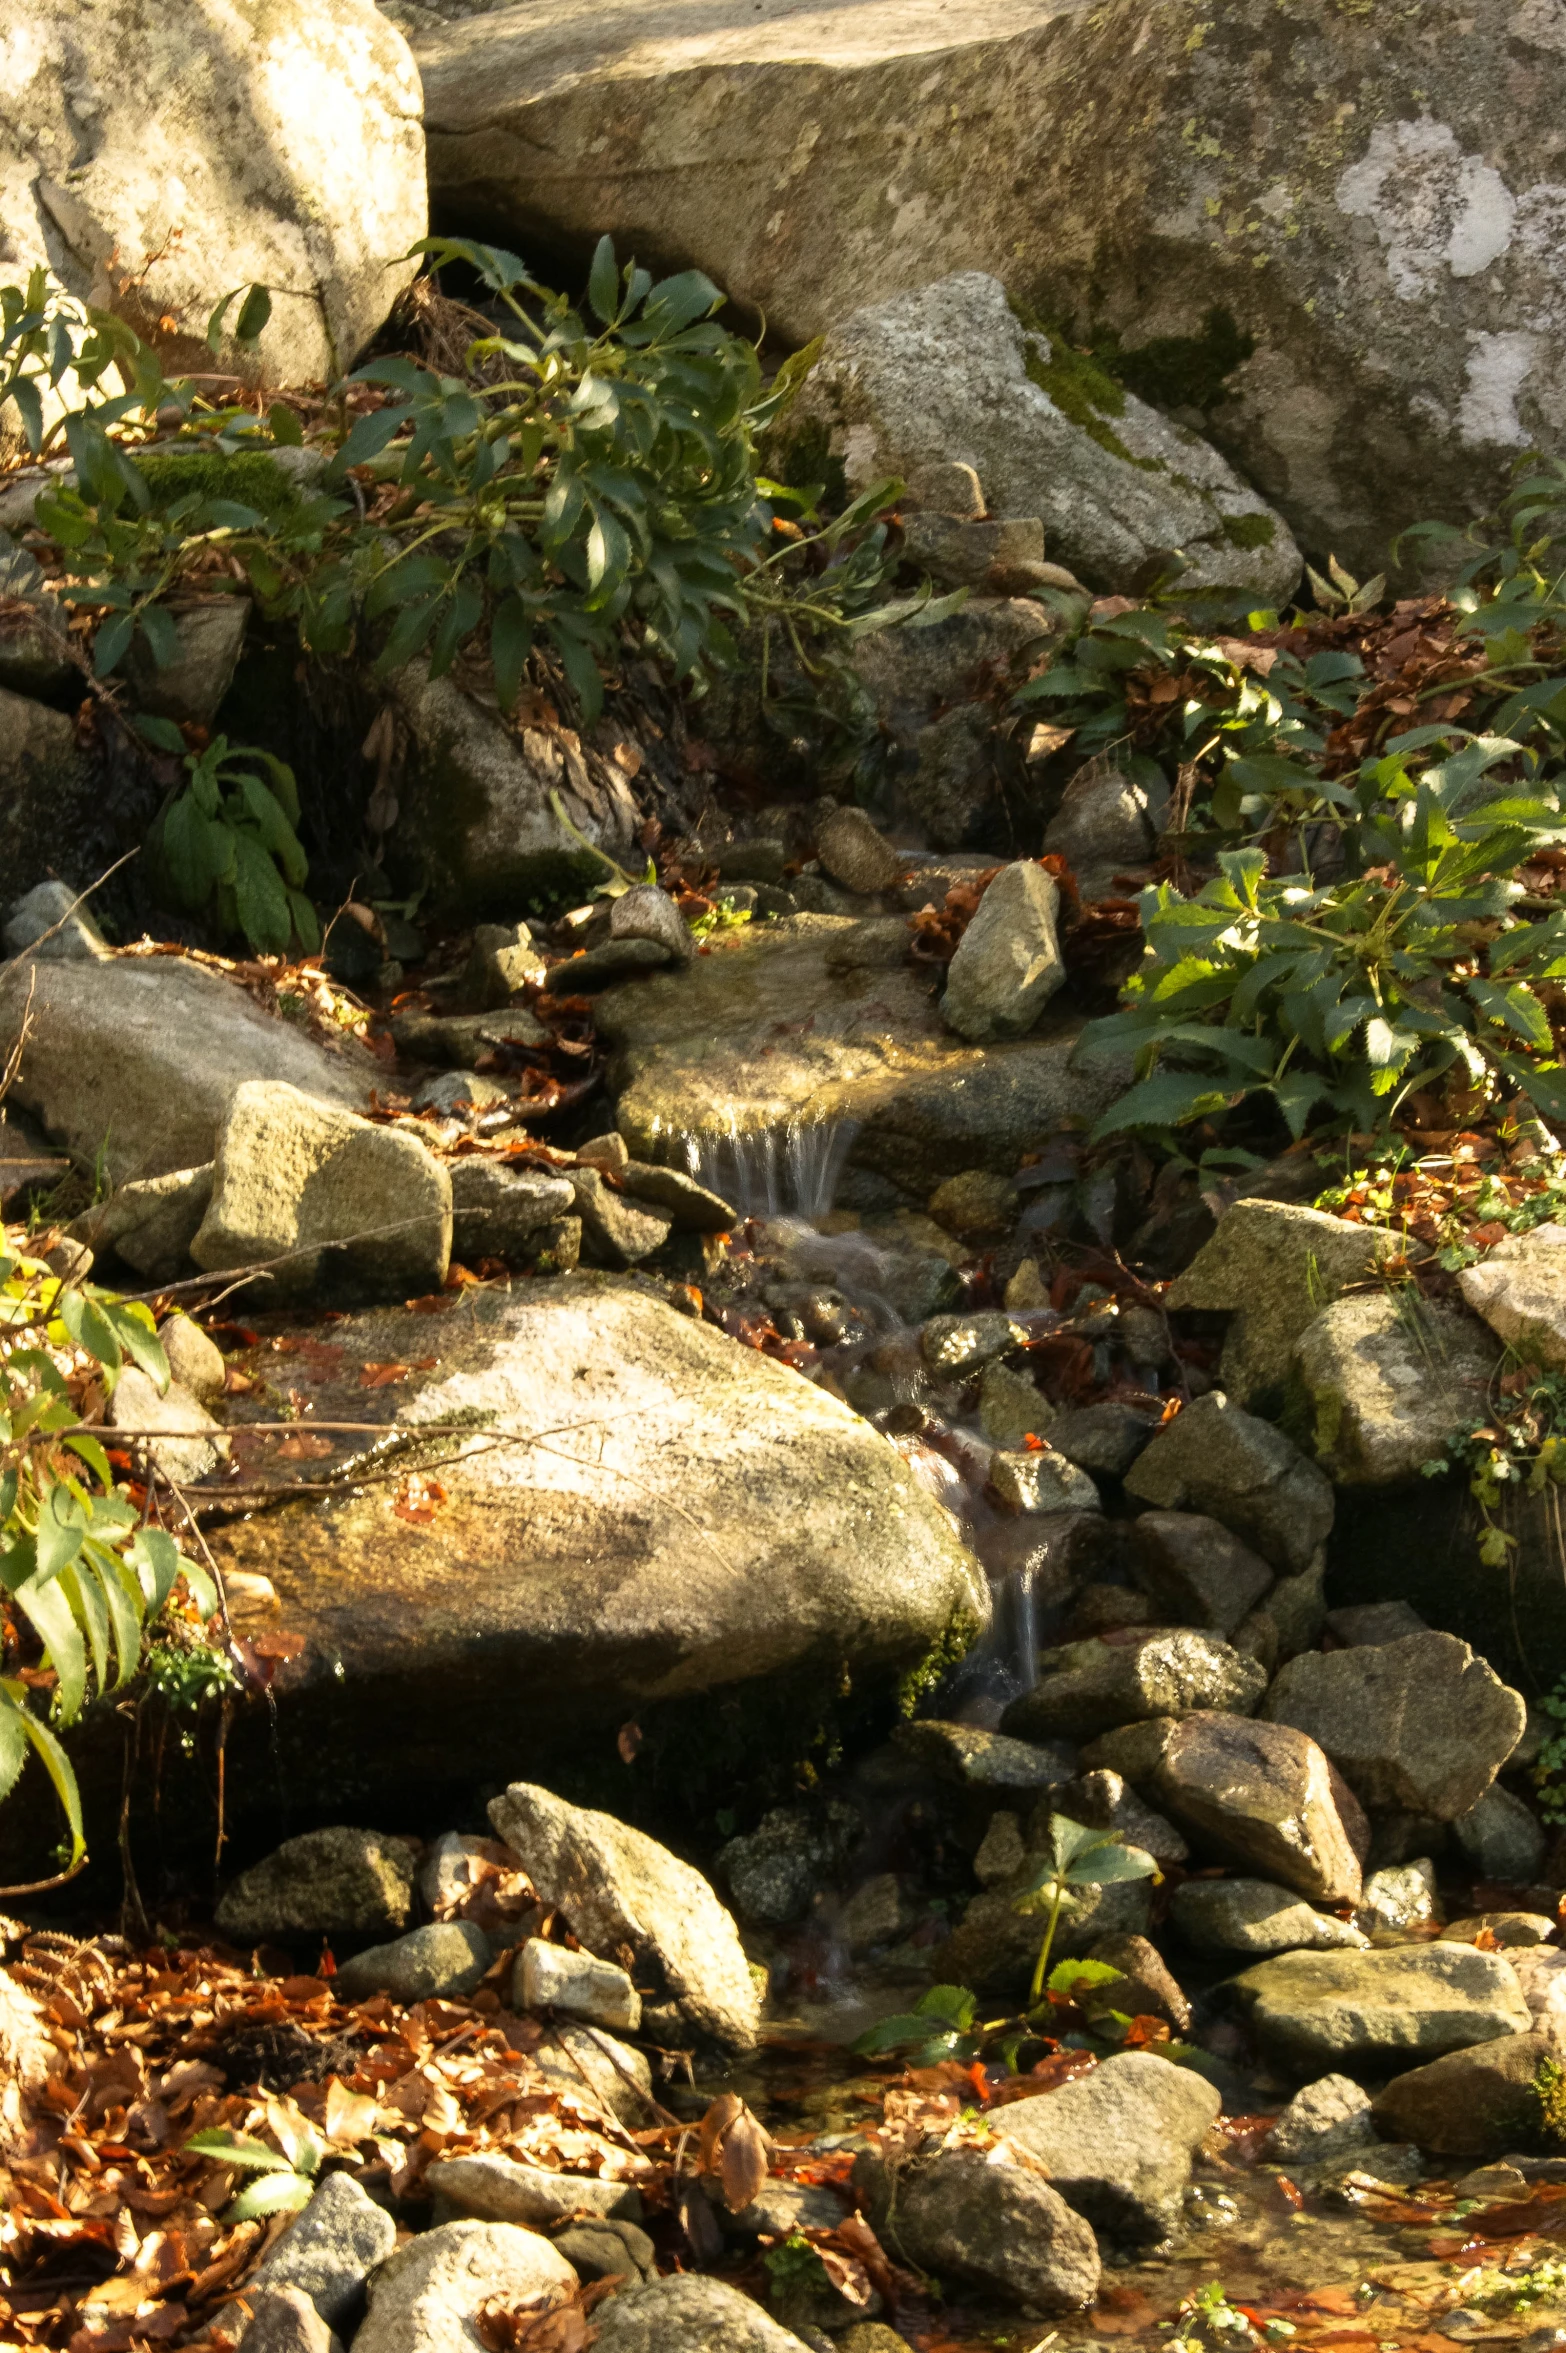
[287, 2174]
[226, 844]
[1078, 1858]
[81, 1574]
[937, 2027]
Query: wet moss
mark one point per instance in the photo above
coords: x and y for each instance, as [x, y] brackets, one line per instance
[250, 478]
[949, 1649]
[1249, 531]
[1182, 371]
[1074, 381]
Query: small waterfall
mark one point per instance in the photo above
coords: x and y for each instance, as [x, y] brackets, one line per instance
[791, 1170]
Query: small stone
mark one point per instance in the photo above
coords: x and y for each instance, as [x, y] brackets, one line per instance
[609, 1151]
[558, 1246]
[778, 2209]
[1251, 1916]
[1401, 1898]
[428, 2296]
[283, 2320]
[548, 1976]
[1383, 2008]
[1041, 1482]
[47, 921]
[1008, 962]
[1102, 1801]
[773, 1871]
[1026, 1288]
[692, 1208]
[617, 1231]
[855, 855]
[976, 1205]
[647, 913]
[1108, 1609]
[1001, 1851]
[1502, 1838]
[1215, 1459]
[1011, 1408]
[458, 1094]
[195, 1361]
[150, 1224]
[329, 2250]
[1196, 1571]
[877, 1913]
[607, 2250]
[1288, 1621]
[1261, 1796]
[328, 1882]
[957, 1343]
[598, 968]
[444, 1960]
[477, 1879]
[1327, 2119]
[1368, 1622]
[980, 1760]
[985, 2216]
[1119, 2143]
[502, 1212]
[593, 2068]
[1420, 1725]
[1105, 1439]
[1519, 1929]
[975, 554]
[1471, 2103]
[1144, 1989]
[685, 2314]
[1519, 1288]
[458, 1040]
[1093, 1686]
[1134, 1751]
[1388, 1376]
[500, 2189]
[189, 1444]
[1106, 820]
[503, 960]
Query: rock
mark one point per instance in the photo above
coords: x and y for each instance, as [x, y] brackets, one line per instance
[877, 1913]
[1118, 2143]
[1195, 1570]
[35, 655]
[1516, 1929]
[647, 913]
[501, 1212]
[607, 2250]
[1381, 2009]
[611, 960]
[778, 2209]
[1275, 1266]
[1519, 1287]
[687, 2314]
[550, 1977]
[1105, 1439]
[1474, 2103]
[1288, 1621]
[1327, 2119]
[48, 920]
[995, 1945]
[294, 143]
[1001, 1852]
[328, 1883]
[490, 2188]
[1105, 821]
[1102, 1800]
[28, 2057]
[283, 2320]
[1011, 1407]
[427, 2297]
[189, 1443]
[618, 1887]
[709, 1522]
[503, 960]
[195, 1361]
[980, 1760]
[1041, 1481]
[140, 1058]
[774, 1870]
[1502, 1838]
[591, 2067]
[329, 2250]
[1145, 1988]
[977, 1205]
[475, 823]
[1401, 1898]
[1374, 1621]
[459, 1039]
[1388, 1378]
[1251, 1916]
[617, 1231]
[1260, 1796]
[458, 1094]
[1212, 1458]
[50, 792]
[855, 855]
[769, 1038]
[1421, 1725]
[152, 1224]
[1132, 1750]
[1004, 554]
[1541, 1973]
[959, 1343]
[1008, 962]
[1093, 1686]
[691, 1208]
[26, 1163]
[337, 1198]
[985, 2216]
[189, 687]
[952, 371]
[445, 1960]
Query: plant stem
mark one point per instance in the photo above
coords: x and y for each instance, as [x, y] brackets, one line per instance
[1041, 1970]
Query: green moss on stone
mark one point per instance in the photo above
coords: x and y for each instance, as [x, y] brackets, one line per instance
[1183, 371]
[950, 1647]
[1249, 531]
[1074, 381]
[250, 479]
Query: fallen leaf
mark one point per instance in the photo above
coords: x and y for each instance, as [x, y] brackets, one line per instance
[747, 2155]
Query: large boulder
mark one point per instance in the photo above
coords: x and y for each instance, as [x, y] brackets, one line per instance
[1382, 2009]
[1474, 2103]
[1272, 1266]
[1216, 1459]
[986, 2216]
[1359, 299]
[622, 1507]
[815, 1022]
[1420, 1726]
[428, 2296]
[950, 373]
[1261, 1796]
[618, 1887]
[259, 140]
[1388, 1377]
[138, 1058]
[1118, 2143]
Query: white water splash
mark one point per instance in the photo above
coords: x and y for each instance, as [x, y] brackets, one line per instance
[787, 1171]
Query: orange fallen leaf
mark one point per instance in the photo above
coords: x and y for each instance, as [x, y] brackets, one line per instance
[418, 1499]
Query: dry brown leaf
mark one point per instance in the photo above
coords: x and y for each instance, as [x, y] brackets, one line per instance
[747, 2154]
[714, 2125]
[350, 2116]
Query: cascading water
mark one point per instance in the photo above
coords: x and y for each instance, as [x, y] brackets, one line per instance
[791, 1170]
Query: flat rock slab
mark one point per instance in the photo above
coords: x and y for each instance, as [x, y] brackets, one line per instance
[1387, 2008]
[630, 1507]
[776, 1025]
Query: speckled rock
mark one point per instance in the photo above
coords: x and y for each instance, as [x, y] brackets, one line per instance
[1090, 1687]
[986, 2216]
[1420, 1725]
[1118, 2143]
[1214, 1458]
[1385, 2008]
[326, 1882]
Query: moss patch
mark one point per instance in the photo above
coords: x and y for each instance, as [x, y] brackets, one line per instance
[250, 479]
[1249, 531]
[1183, 371]
[1074, 381]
